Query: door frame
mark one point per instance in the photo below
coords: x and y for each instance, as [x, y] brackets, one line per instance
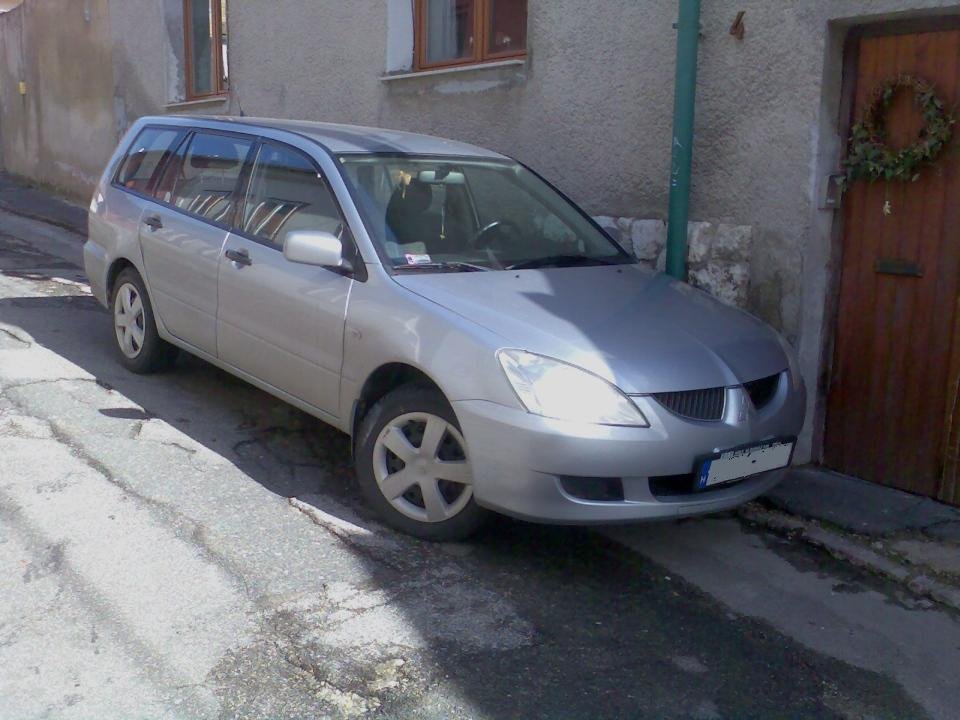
[844, 121]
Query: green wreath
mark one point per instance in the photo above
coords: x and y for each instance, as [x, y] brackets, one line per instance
[870, 158]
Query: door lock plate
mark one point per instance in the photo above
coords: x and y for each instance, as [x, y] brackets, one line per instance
[898, 266]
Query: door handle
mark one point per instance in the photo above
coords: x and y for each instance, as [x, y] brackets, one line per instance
[240, 257]
[154, 222]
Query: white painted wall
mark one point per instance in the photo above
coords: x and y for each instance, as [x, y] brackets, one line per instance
[399, 36]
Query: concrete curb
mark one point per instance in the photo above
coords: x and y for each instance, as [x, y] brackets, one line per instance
[857, 551]
[862, 508]
[44, 218]
[20, 197]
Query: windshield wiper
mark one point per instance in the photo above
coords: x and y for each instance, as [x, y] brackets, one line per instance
[453, 266]
[559, 261]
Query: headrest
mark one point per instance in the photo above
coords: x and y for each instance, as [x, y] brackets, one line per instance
[214, 154]
[413, 199]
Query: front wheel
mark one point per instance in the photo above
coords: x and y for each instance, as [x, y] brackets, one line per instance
[413, 468]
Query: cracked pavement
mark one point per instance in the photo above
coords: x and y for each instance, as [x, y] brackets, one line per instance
[185, 546]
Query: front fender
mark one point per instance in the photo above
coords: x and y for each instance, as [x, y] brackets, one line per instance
[387, 323]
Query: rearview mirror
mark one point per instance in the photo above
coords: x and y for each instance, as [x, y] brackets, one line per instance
[432, 177]
[309, 247]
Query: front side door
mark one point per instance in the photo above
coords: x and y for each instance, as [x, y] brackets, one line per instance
[182, 233]
[279, 321]
[893, 391]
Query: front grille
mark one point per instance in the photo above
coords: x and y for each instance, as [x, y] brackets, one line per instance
[695, 404]
[761, 391]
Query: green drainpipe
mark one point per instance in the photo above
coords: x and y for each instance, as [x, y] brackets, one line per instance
[688, 38]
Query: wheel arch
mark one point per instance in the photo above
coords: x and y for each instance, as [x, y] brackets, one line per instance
[382, 381]
[113, 272]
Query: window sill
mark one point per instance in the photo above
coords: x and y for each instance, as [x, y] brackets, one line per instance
[454, 69]
[201, 102]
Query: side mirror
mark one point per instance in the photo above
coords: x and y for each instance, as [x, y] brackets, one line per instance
[309, 247]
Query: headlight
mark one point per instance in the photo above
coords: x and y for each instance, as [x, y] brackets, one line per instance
[557, 390]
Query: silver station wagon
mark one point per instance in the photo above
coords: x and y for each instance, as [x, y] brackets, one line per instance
[487, 346]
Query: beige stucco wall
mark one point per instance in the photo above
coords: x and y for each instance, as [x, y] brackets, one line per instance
[60, 131]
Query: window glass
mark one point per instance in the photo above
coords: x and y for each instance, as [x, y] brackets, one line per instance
[222, 48]
[206, 37]
[488, 214]
[286, 193]
[413, 217]
[201, 46]
[507, 27]
[449, 32]
[204, 177]
[144, 157]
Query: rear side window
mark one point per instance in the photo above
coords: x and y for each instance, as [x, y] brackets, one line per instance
[202, 178]
[286, 193]
[145, 156]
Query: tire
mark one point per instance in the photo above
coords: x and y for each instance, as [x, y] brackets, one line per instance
[417, 411]
[139, 348]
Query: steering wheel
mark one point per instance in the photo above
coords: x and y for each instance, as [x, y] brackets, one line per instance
[486, 236]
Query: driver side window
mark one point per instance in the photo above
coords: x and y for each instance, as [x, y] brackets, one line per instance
[286, 193]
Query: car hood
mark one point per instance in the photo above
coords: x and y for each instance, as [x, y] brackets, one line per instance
[640, 330]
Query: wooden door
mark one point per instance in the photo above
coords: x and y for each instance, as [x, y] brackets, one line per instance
[893, 384]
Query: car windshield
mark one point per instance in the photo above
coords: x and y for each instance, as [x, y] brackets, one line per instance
[430, 214]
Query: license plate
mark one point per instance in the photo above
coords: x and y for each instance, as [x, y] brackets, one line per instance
[739, 463]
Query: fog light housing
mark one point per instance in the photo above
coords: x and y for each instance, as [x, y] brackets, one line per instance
[593, 489]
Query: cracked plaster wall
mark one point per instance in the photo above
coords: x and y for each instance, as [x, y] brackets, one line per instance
[60, 131]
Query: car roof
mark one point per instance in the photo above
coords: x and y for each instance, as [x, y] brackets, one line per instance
[339, 139]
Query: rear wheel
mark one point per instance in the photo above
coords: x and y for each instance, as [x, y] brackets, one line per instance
[413, 468]
[140, 347]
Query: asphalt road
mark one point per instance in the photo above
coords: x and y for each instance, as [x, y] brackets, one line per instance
[185, 546]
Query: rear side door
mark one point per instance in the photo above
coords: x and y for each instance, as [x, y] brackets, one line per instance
[116, 224]
[183, 231]
[279, 321]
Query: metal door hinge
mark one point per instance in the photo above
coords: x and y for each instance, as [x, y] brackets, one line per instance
[831, 195]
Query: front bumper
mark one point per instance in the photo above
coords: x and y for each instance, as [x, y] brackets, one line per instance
[520, 460]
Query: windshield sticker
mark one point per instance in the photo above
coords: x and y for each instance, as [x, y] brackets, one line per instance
[417, 259]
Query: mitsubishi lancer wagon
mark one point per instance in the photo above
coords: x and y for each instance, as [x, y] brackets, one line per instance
[485, 344]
